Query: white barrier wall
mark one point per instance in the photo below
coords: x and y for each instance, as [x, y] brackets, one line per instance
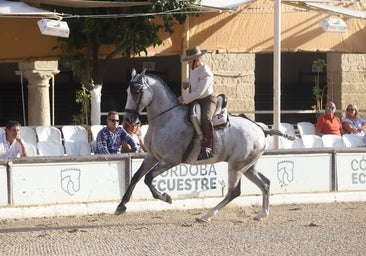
[303, 173]
[287, 173]
[185, 181]
[3, 186]
[351, 171]
[64, 182]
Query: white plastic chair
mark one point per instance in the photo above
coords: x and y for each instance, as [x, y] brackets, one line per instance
[50, 148]
[31, 149]
[143, 129]
[312, 141]
[287, 128]
[333, 141]
[269, 142]
[49, 141]
[76, 140]
[285, 143]
[297, 143]
[48, 133]
[30, 138]
[95, 129]
[353, 140]
[305, 128]
[29, 135]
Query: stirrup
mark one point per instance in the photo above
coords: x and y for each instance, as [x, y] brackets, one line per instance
[205, 153]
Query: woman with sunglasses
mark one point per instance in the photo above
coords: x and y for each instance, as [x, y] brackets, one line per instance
[133, 129]
[329, 123]
[352, 122]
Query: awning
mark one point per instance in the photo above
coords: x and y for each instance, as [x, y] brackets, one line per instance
[220, 5]
[17, 9]
[339, 10]
[329, 8]
[88, 3]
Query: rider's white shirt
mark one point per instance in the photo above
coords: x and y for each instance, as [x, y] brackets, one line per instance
[201, 82]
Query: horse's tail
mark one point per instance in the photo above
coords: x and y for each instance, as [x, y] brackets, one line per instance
[272, 132]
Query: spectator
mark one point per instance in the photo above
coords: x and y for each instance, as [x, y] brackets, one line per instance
[329, 123]
[11, 144]
[352, 122]
[110, 138]
[133, 129]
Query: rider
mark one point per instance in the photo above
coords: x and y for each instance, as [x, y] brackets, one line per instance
[200, 86]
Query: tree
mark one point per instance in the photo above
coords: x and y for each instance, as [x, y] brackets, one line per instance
[93, 27]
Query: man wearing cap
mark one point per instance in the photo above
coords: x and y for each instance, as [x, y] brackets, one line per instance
[200, 87]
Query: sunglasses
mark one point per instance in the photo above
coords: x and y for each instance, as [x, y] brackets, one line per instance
[114, 120]
[329, 108]
[350, 109]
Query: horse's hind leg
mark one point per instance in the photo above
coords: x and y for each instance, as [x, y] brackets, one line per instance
[233, 192]
[264, 184]
[147, 164]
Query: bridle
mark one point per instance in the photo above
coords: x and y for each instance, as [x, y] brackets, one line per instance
[137, 87]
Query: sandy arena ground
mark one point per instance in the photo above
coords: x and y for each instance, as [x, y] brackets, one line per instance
[301, 229]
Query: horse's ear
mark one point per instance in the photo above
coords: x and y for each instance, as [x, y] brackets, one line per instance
[133, 73]
[143, 72]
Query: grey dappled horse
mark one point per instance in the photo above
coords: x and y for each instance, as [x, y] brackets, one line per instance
[170, 141]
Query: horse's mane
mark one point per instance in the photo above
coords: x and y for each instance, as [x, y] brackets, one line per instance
[167, 88]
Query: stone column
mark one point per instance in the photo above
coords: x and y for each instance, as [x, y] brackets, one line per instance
[347, 79]
[234, 75]
[38, 74]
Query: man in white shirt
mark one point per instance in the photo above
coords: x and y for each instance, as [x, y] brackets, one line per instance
[11, 144]
[200, 86]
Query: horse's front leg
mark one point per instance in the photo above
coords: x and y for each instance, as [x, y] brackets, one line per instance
[146, 165]
[157, 170]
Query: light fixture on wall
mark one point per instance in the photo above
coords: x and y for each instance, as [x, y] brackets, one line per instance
[53, 27]
[333, 25]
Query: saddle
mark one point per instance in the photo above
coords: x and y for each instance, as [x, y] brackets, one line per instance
[219, 119]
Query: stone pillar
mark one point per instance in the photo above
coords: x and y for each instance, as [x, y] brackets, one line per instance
[235, 77]
[347, 79]
[38, 74]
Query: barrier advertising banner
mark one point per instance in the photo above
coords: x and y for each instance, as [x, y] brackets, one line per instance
[351, 171]
[185, 181]
[288, 174]
[3, 186]
[306, 173]
[68, 182]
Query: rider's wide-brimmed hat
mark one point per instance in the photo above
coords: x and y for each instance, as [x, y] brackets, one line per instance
[192, 53]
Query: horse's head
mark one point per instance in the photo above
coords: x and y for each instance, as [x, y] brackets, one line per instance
[138, 95]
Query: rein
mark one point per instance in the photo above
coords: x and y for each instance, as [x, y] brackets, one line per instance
[162, 113]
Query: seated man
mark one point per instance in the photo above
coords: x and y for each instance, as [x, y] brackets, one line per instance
[11, 144]
[329, 123]
[111, 137]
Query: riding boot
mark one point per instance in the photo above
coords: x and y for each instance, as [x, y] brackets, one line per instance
[206, 146]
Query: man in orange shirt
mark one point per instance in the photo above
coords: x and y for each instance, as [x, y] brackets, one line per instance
[329, 123]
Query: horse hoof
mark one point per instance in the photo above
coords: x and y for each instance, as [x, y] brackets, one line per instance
[167, 198]
[203, 220]
[260, 216]
[120, 210]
